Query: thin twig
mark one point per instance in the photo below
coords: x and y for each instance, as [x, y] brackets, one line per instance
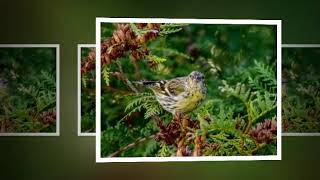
[128, 82]
[259, 146]
[90, 130]
[135, 143]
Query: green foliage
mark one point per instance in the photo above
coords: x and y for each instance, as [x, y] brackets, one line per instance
[165, 150]
[239, 63]
[123, 133]
[265, 79]
[170, 52]
[156, 59]
[84, 80]
[88, 94]
[258, 96]
[41, 92]
[137, 31]
[106, 74]
[143, 101]
[166, 29]
[28, 99]
[300, 92]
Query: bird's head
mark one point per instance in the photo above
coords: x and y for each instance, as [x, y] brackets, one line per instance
[196, 76]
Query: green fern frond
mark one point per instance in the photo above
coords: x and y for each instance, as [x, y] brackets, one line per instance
[42, 92]
[84, 80]
[143, 101]
[137, 31]
[203, 114]
[205, 109]
[106, 74]
[171, 52]
[223, 122]
[172, 25]
[166, 29]
[169, 31]
[165, 151]
[151, 148]
[258, 104]
[240, 92]
[261, 106]
[45, 81]
[263, 78]
[312, 91]
[156, 59]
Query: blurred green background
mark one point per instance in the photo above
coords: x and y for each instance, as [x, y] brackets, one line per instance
[300, 90]
[88, 98]
[28, 94]
[71, 22]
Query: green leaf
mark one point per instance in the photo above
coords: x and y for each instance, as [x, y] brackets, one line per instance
[106, 74]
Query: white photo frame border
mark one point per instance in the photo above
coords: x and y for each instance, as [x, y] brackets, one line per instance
[300, 134]
[100, 20]
[57, 48]
[79, 47]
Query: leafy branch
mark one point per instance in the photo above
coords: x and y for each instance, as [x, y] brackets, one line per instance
[143, 101]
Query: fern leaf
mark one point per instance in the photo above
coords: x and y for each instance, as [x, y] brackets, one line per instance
[261, 106]
[240, 91]
[106, 74]
[42, 92]
[143, 101]
[264, 78]
[166, 29]
[156, 59]
[84, 79]
[170, 52]
[137, 31]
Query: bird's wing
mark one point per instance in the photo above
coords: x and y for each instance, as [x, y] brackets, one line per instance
[175, 86]
[157, 86]
[171, 87]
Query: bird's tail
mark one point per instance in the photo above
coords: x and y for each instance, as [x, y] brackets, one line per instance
[145, 83]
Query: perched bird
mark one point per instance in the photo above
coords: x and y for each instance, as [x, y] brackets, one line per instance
[181, 94]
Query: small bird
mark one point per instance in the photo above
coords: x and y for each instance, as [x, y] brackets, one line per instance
[181, 94]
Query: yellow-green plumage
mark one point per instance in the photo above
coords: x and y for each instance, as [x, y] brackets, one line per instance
[182, 94]
[190, 102]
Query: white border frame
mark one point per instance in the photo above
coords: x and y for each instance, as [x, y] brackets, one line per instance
[80, 46]
[298, 134]
[100, 159]
[57, 48]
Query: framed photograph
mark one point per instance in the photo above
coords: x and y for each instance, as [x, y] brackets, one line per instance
[301, 89]
[187, 90]
[86, 91]
[29, 90]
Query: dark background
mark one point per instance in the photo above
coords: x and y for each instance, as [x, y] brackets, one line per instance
[71, 22]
